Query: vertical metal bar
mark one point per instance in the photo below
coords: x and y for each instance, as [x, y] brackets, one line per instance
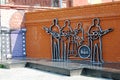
[100, 54]
[58, 48]
[55, 51]
[53, 47]
[94, 53]
[76, 46]
[73, 45]
[63, 47]
[65, 53]
[91, 48]
[68, 52]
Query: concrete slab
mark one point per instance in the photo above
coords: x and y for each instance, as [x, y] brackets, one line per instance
[64, 68]
[69, 68]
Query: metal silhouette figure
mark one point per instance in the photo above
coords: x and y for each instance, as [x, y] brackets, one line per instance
[75, 40]
[65, 37]
[95, 34]
[57, 39]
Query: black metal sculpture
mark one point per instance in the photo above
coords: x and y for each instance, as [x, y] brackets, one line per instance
[71, 36]
[95, 32]
[63, 39]
[55, 39]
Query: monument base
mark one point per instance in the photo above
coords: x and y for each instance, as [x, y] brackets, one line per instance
[69, 68]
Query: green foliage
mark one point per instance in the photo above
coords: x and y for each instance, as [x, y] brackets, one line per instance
[2, 66]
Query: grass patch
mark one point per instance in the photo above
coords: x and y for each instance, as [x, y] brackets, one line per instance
[2, 66]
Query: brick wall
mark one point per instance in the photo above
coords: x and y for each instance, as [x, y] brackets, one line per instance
[38, 41]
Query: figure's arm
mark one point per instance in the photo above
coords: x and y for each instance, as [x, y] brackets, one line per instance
[105, 31]
[46, 29]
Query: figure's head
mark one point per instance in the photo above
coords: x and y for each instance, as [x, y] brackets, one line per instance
[55, 21]
[96, 22]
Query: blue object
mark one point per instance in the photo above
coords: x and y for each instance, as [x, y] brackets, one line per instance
[18, 43]
[84, 51]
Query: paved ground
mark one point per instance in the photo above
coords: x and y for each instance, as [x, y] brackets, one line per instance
[32, 74]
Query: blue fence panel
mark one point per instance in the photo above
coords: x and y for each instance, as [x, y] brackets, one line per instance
[18, 47]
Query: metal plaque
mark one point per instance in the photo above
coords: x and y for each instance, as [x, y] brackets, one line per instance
[84, 51]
